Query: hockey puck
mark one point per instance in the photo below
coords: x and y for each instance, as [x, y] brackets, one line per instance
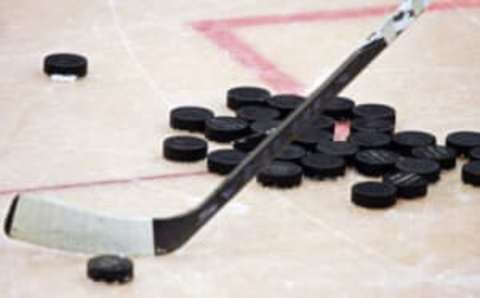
[427, 168]
[291, 153]
[471, 173]
[404, 142]
[340, 108]
[190, 118]
[374, 194]
[246, 96]
[446, 157]
[223, 161]
[110, 268]
[65, 64]
[225, 129]
[474, 154]
[309, 138]
[248, 143]
[371, 140]
[281, 174]
[375, 162]
[285, 103]
[263, 127]
[323, 122]
[255, 113]
[373, 125]
[463, 141]
[184, 148]
[374, 111]
[320, 166]
[345, 150]
[409, 185]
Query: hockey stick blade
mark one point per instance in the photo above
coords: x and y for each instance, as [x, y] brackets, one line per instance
[55, 225]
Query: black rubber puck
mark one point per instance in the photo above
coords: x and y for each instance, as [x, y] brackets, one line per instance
[471, 173]
[254, 113]
[246, 96]
[225, 129]
[345, 150]
[285, 103]
[375, 162]
[340, 108]
[371, 140]
[404, 141]
[250, 142]
[309, 138]
[281, 174]
[463, 141]
[427, 168]
[223, 161]
[409, 185]
[474, 154]
[184, 148]
[190, 118]
[263, 127]
[323, 122]
[374, 194]
[374, 111]
[373, 125]
[65, 64]
[320, 166]
[110, 268]
[446, 157]
[291, 153]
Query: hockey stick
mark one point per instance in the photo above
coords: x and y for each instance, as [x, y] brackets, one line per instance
[56, 225]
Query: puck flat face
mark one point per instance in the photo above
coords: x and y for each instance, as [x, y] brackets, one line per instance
[110, 268]
[405, 141]
[310, 137]
[65, 64]
[373, 125]
[409, 185]
[184, 148]
[285, 103]
[246, 96]
[345, 150]
[374, 111]
[375, 162]
[374, 195]
[190, 118]
[427, 168]
[471, 173]
[340, 108]
[263, 127]
[291, 153]
[257, 113]
[250, 142]
[225, 129]
[463, 141]
[371, 140]
[281, 174]
[474, 154]
[321, 166]
[446, 157]
[224, 161]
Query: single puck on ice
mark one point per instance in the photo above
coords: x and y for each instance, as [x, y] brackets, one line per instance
[463, 141]
[409, 185]
[340, 108]
[445, 156]
[285, 103]
[190, 118]
[281, 174]
[405, 141]
[66, 64]
[471, 173]
[427, 168]
[246, 96]
[110, 268]
[320, 166]
[223, 161]
[374, 194]
[184, 148]
[256, 113]
[225, 129]
[374, 111]
[375, 162]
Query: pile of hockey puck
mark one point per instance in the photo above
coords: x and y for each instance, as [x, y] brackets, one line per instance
[407, 161]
